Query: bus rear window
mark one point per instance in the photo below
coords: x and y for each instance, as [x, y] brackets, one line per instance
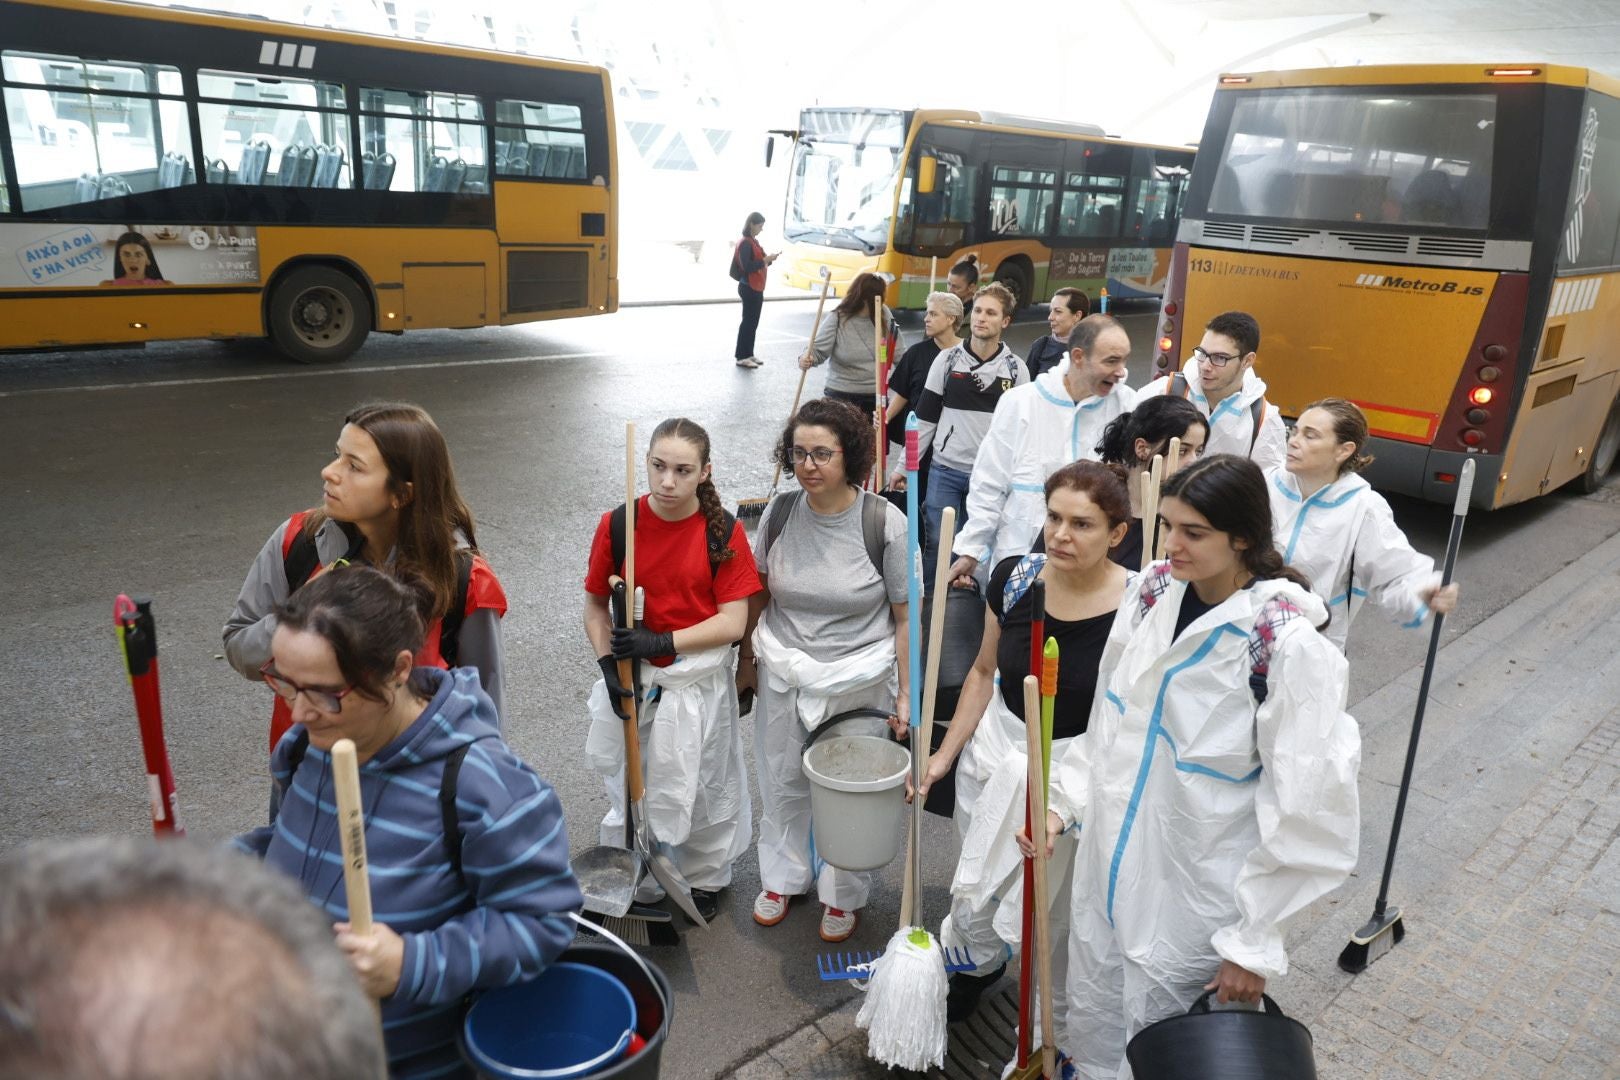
[1369, 157]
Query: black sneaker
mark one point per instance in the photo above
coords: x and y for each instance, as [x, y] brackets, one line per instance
[707, 903]
[965, 990]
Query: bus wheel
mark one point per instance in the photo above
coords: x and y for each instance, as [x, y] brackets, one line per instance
[1016, 278]
[1603, 454]
[318, 315]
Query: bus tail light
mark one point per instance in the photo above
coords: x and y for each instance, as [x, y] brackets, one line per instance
[1175, 296]
[1489, 373]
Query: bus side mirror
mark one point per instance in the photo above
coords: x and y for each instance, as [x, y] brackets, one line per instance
[770, 149]
[927, 168]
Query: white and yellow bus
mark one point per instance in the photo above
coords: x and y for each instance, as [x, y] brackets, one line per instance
[1439, 244]
[1042, 205]
[177, 174]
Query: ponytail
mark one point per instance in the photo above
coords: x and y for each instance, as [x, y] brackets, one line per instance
[715, 514]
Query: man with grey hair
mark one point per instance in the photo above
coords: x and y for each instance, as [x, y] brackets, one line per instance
[138, 959]
[1038, 428]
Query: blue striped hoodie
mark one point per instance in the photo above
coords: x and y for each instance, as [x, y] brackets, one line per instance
[500, 923]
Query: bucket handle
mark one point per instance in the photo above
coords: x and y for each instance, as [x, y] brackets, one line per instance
[833, 721]
[1270, 1007]
[604, 932]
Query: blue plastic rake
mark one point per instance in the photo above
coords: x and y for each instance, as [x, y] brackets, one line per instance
[858, 965]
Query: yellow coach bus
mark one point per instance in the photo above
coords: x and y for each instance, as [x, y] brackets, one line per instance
[1042, 205]
[1436, 243]
[175, 174]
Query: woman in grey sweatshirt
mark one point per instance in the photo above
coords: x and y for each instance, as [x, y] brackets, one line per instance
[849, 342]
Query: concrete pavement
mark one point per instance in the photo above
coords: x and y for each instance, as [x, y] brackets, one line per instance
[1508, 871]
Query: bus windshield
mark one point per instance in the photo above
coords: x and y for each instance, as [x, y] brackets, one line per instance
[845, 169]
[1359, 157]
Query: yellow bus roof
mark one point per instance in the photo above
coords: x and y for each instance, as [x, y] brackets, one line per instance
[192, 17]
[1051, 129]
[1424, 74]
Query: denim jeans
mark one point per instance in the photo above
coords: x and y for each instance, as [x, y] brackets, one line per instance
[752, 303]
[946, 487]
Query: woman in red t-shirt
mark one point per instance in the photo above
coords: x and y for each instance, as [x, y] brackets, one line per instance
[697, 579]
[749, 264]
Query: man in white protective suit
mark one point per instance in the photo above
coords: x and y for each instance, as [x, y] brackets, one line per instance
[1037, 429]
[1219, 378]
[1215, 787]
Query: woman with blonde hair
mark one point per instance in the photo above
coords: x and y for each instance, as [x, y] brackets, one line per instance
[1335, 529]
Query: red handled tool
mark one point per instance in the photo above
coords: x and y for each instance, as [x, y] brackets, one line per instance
[138, 637]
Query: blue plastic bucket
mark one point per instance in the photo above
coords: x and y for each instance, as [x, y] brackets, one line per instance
[573, 1021]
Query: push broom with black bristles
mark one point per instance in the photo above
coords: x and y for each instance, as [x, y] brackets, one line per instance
[1385, 930]
[749, 510]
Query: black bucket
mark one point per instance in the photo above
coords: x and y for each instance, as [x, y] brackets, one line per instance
[649, 989]
[959, 646]
[1235, 1044]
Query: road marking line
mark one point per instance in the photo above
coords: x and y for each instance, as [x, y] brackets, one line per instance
[318, 373]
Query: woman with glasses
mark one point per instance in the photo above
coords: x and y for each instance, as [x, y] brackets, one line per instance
[831, 623]
[468, 857]
[1335, 529]
[699, 574]
[388, 498]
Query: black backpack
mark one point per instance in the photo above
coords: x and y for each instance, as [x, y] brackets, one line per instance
[1257, 408]
[300, 560]
[736, 270]
[874, 511]
[716, 550]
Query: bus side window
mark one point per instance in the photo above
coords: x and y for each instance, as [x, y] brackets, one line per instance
[281, 132]
[130, 136]
[541, 141]
[423, 140]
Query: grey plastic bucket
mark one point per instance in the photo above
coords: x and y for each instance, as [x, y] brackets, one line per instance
[857, 799]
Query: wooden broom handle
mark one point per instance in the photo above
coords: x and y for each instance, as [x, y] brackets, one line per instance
[352, 835]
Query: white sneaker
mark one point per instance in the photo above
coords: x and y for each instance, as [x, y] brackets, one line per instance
[758, 361]
[770, 908]
[747, 362]
[838, 925]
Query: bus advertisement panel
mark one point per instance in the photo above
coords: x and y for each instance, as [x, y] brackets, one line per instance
[112, 256]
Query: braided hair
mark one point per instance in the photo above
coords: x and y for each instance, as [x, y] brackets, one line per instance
[679, 427]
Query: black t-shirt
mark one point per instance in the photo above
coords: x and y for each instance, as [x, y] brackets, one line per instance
[1047, 353]
[907, 378]
[1080, 649]
[1191, 608]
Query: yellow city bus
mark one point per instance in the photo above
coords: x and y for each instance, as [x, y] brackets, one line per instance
[1431, 242]
[1043, 205]
[175, 174]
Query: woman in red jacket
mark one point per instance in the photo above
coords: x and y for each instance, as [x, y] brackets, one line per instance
[750, 262]
[388, 498]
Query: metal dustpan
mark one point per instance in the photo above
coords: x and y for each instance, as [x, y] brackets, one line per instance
[608, 876]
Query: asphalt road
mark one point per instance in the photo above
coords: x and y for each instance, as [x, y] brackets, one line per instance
[161, 471]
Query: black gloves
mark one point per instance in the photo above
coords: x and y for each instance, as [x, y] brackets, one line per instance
[639, 643]
[616, 693]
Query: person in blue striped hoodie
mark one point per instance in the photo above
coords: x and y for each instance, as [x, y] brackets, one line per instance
[469, 892]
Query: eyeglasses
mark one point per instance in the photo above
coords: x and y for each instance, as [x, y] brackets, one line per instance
[1216, 359]
[820, 455]
[327, 701]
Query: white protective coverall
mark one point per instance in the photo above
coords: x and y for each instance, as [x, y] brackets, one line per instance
[1036, 430]
[697, 797]
[1231, 427]
[1345, 540]
[987, 893]
[796, 695]
[1205, 821]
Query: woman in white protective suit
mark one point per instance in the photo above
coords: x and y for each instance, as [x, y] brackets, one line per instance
[1215, 786]
[1087, 509]
[693, 562]
[834, 560]
[1337, 531]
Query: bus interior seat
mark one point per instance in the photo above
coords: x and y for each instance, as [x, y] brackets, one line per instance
[575, 169]
[1429, 198]
[328, 166]
[306, 166]
[255, 162]
[539, 153]
[378, 172]
[477, 181]
[455, 176]
[218, 172]
[512, 158]
[287, 169]
[113, 187]
[437, 170]
[174, 171]
[87, 188]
